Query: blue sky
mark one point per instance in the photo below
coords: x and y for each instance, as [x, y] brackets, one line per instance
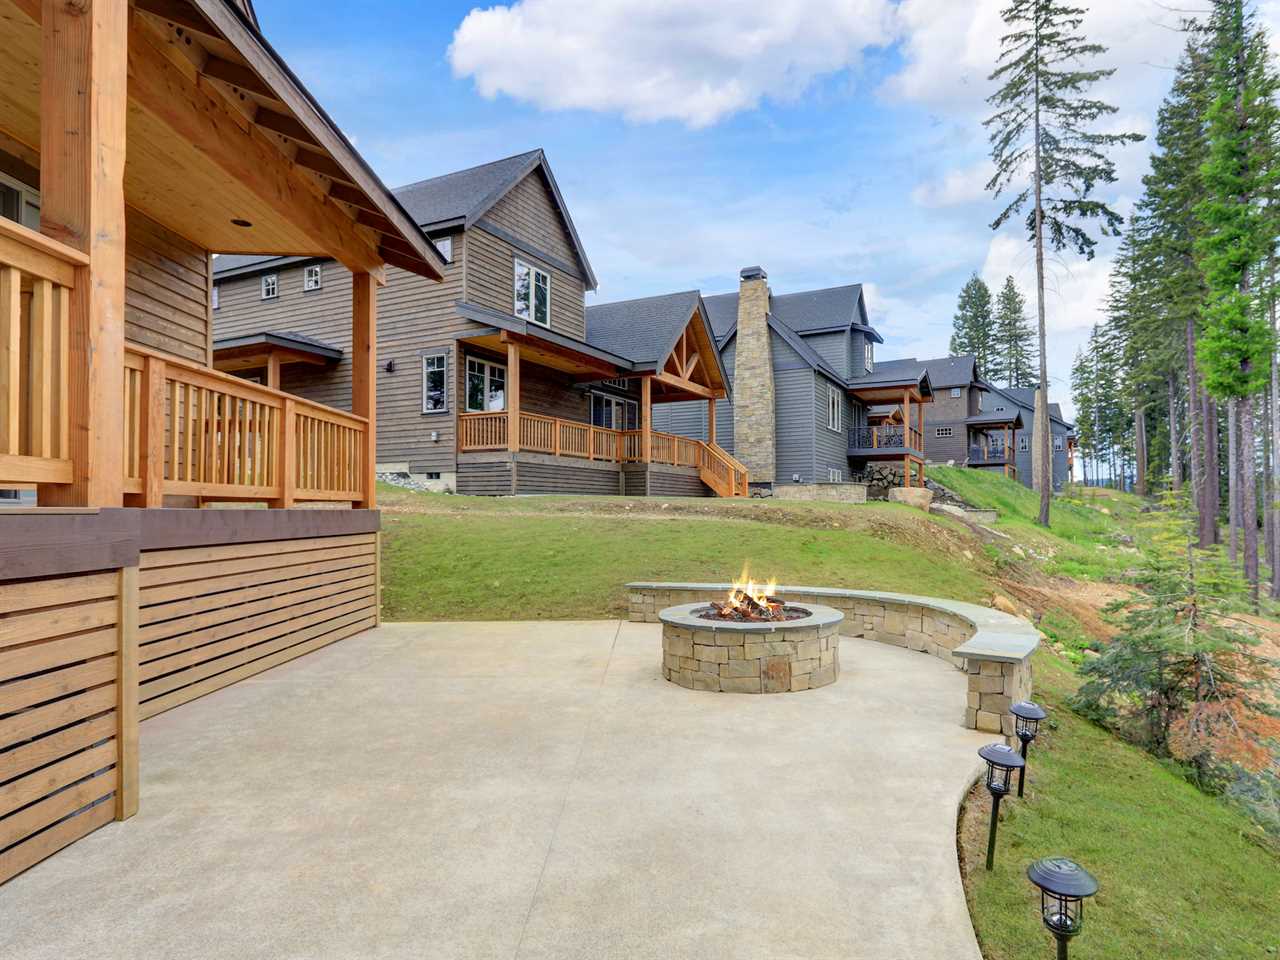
[831, 141]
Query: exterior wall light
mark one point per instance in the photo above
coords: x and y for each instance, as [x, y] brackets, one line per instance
[1001, 760]
[1064, 886]
[1027, 719]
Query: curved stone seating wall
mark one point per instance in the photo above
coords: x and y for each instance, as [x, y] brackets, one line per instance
[994, 648]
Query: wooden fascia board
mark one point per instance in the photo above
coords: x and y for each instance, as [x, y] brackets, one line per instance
[688, 386]
[158, 87]
[263, 61]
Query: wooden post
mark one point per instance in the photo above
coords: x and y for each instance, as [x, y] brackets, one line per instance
[513, 396]
[920, 424]
[646, 411]
[151, 424]
[364, 377]
[906, 420]
[287, 456]
[127, 697]
[273, 370]
[711, 421]
[906, 471]
[83, 92]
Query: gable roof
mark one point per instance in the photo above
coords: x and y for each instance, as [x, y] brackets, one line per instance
[1026, 397]
[460, 199]
[281, 338]
[805, 312]
[953, 371]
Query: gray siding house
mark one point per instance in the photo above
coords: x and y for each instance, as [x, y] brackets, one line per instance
[492, 381]
[1023, 399]
[804, 374]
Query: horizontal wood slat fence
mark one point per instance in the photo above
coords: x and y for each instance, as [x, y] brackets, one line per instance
[190, 431]
[68, 712]
[37, 276]
[570, 438]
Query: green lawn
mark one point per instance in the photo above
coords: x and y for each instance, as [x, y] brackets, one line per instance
[475, 558]
[1082, 540]
[1181, 874]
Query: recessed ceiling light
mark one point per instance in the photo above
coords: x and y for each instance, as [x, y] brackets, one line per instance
[240, 222]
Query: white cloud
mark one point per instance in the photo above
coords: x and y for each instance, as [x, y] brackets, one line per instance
[663, 59]
[960, 186]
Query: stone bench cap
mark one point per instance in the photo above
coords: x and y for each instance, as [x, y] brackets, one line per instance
[997, 636]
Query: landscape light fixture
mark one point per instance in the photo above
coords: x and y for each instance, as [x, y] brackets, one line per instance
[1064, 885]
[1027, 716]
[1001, 760]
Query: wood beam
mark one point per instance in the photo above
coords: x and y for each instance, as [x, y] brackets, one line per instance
[160, 88]
[288, 127]
[607, 371]
[83, 92]
[688, 386]
[322, 164]
[513, 396]
[179, 14]
[711, 421]
[646, 419]
[364, 376]
[237, 75]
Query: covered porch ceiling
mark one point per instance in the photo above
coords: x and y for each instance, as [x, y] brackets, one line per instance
[223, 144]
[892, 393]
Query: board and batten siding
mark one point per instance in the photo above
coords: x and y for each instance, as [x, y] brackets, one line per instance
[166, 290]
[415, 317]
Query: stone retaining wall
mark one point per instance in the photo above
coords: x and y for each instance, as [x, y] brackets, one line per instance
[993, 648]
[838, 492]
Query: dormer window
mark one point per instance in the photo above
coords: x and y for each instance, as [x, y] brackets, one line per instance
[868, 354]
[532, 294]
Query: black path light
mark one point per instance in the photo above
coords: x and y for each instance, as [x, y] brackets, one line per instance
[1027, 723]
[1002, 760]
[1064, 885]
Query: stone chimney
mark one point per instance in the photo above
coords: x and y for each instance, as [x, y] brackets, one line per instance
[753, 410]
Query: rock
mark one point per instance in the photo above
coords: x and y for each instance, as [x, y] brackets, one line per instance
[912, 496]
[968, 555]
[1019, 551]
[1004, 605]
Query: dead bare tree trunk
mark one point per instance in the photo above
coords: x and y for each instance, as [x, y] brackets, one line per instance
[1268, 530]
[1175, 440]
[1248, 476]
[1140, 450]
[1212, 468]
[1196, 446]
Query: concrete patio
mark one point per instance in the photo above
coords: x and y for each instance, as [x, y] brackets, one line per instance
[527, 790]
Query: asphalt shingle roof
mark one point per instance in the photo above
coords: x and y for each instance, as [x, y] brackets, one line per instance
[455, 195]
[803, 312]
[641, 330]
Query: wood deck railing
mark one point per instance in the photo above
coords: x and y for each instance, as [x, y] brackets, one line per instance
[36, 277]
[571, 438]
[191, 431]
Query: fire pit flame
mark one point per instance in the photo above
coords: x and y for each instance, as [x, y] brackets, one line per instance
[749, 601]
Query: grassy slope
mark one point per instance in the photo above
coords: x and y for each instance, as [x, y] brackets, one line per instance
[464, 558]
[1178, 876]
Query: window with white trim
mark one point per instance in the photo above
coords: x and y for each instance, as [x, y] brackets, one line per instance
[486, 386]
[955, 393]
[1024, 444]
[1057, 443]
[270, 286]
[311, 277]
[942, 433]
[835, 475]
[435, 383]
[833, 408]
[445, 246]
[215, 296]
[868, 354]
[532, 294]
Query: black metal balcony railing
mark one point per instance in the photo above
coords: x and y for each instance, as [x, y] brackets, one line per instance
[993, 453]
[892, 437]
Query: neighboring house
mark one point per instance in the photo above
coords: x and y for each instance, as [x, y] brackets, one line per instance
[1062, 445]
[805, 376]
[491, 382]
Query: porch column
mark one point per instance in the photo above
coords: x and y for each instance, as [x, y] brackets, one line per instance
[273, 370]
[83, 88]
[364, 377]
[513, 396]
[646, 411]
[906, 418]
[920, 423]
[711, 420]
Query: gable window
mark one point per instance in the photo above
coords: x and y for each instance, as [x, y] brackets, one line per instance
[868, 355]
[486, 386]
[445, 246]
[1023, 445]
[833, 408]
[435, 383]
[955, 393]
[942, 432]
[311, 277]
[215, 296]
[835, 475]
[1057, 443]
[533, 294]
[270, 286]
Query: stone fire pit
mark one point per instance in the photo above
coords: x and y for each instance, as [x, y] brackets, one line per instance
[728, 656]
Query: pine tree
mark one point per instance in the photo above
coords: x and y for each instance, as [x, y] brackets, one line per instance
[1013, 359]
[972, 327]
[1239, 174]
[1041, 128]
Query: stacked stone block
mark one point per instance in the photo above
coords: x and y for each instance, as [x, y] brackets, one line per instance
[994, 687]
[739, 661]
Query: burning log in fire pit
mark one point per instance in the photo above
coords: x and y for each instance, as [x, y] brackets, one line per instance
[748, 603]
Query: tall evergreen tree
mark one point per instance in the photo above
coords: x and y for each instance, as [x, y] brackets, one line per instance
[1239, 174]
[1014, 356]
[971, 328]
[1041, 140]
